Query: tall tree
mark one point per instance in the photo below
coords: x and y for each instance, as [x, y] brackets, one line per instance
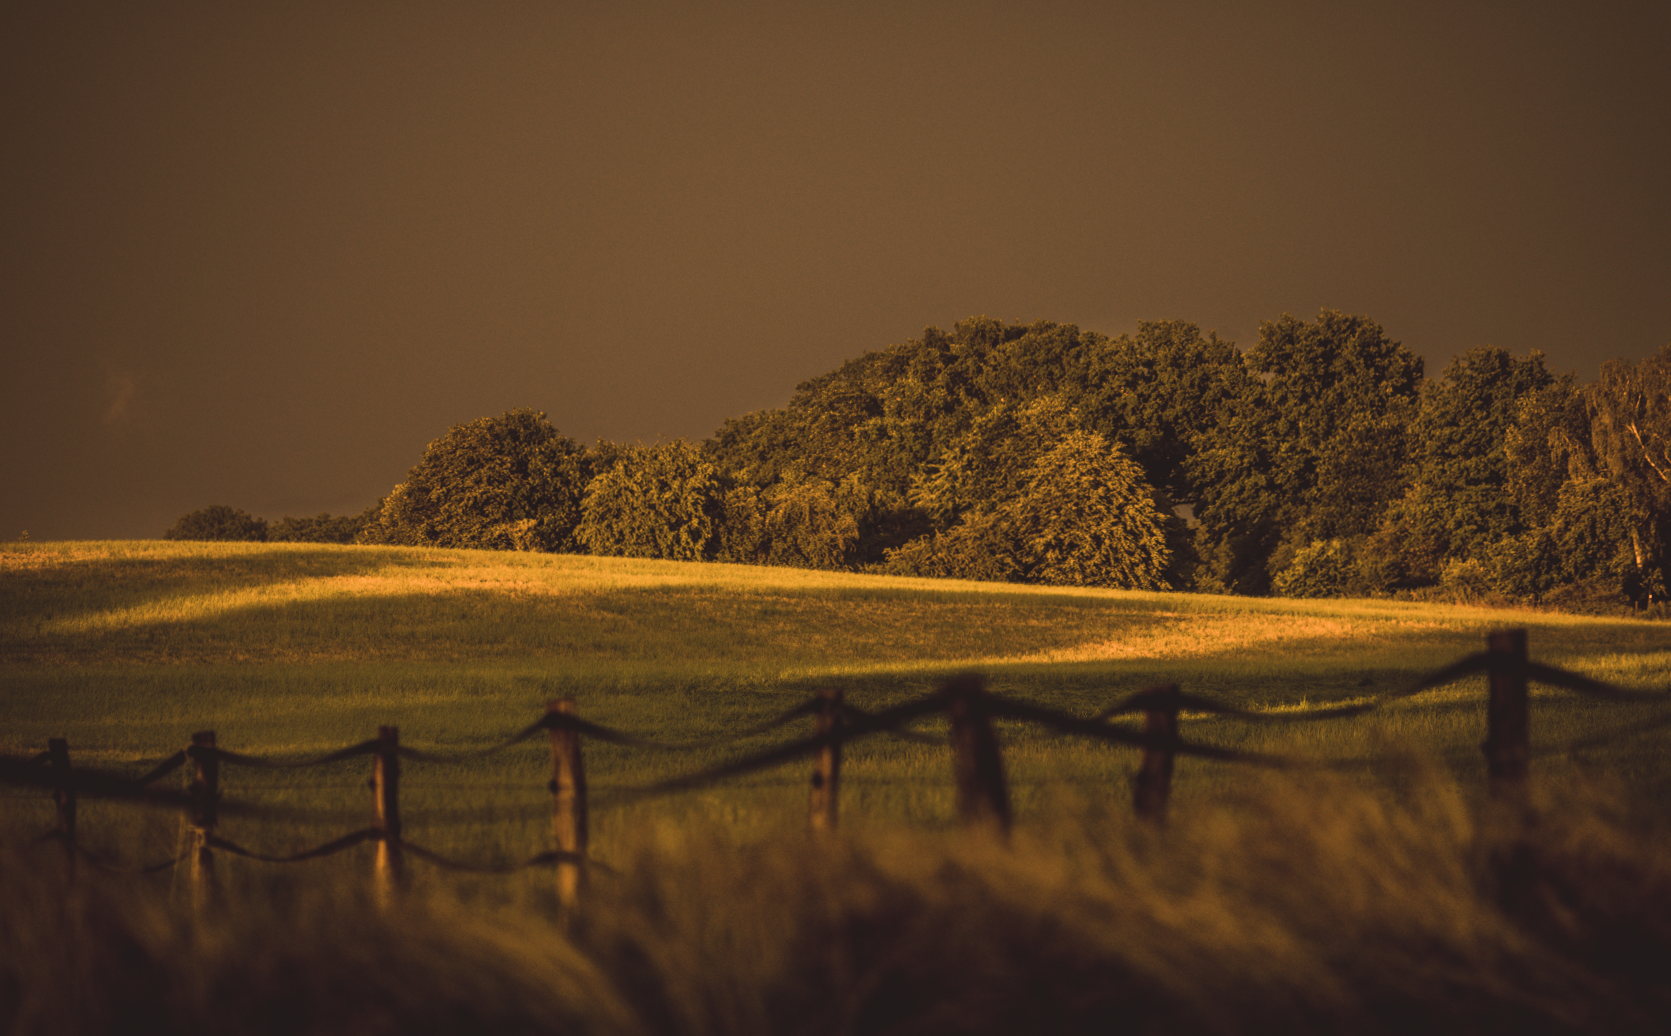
[1547, 446]
[1088, 519]
[1312, 449]
[1159, 393]
[993, 461]
[1630, 430]
[1459, 502]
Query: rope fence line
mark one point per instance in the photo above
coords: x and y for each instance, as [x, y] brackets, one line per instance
[982, 795]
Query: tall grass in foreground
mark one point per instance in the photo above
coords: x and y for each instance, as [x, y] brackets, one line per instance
[1314, 906]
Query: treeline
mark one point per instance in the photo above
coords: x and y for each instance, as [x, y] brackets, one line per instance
[220, 522]
[1321, 461]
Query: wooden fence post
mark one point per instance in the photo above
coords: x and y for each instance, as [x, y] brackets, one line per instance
[1153, 786]
[205, 795]
[1508, 719]
[386, 786]
[568, 803]
[983, 799]
[823, 805]
[63, 796]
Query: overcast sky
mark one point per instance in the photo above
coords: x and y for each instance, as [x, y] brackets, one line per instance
[261, 254]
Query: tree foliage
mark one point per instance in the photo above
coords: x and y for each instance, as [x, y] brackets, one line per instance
[1560, 502]
[1459, 501]
[802, 521]
[218, 522]
[1317, 462]
[993, 462]
[498, 483]
[980, 547]
[897, 421]
[1324, 568]
[322, 528]
[1547, 446]
[1313, 448]
[1088, 518]
[811, 522]
[1630, 431]
[661, 501]
[1078, 513]
[1160, 394]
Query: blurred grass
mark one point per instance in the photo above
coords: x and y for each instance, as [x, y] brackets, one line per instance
[1300, 906]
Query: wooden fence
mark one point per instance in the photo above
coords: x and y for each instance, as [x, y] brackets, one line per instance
[982, 793]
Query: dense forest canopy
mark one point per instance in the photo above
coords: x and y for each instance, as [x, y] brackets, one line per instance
[1321, 460]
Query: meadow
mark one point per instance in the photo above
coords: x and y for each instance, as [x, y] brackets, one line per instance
[1320, 902]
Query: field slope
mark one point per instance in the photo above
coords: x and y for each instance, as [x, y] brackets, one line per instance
[126, 648]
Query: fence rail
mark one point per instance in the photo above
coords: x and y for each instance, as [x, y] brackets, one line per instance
[981, 789]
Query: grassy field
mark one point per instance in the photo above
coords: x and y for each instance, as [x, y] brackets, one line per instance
[1321, 902]
[293, 650]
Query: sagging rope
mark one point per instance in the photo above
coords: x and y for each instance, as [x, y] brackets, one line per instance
[372, 834]
[1140, 702]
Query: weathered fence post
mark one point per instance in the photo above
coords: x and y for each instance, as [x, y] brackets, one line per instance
[823, 805]
[386, 786]
[205, 795]
[983, 799]
[1153, 785]
[63, 796]
[568, 803]
[1508, 719]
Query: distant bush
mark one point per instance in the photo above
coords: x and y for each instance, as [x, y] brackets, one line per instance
[321, 529]
[804, 521]
[219, 522]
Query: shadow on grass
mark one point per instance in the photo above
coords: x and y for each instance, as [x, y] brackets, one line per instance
[93, 582]
[805, 626]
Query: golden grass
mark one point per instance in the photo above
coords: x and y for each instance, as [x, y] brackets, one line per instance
[195, 603]
[1307, 906]
[126, 648]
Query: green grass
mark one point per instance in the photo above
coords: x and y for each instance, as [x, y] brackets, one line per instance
[1385, 897]
[293, 650]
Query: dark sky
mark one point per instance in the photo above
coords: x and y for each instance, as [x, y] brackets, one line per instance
[261, 254]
